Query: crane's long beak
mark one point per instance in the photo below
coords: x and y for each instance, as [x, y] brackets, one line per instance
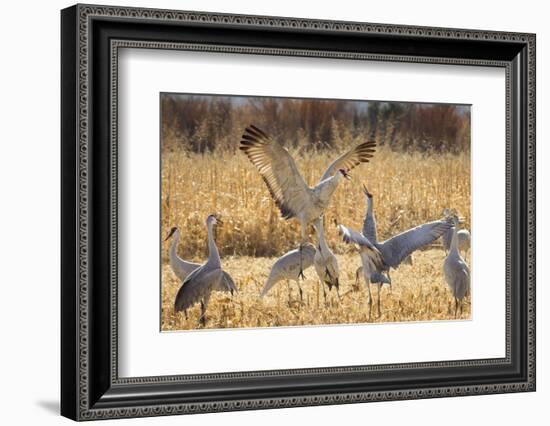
[347, 175]
[366, 191]
[170, 234]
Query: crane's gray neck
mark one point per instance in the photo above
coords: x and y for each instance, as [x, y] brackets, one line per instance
[370, 207]
[454, 241]
[213, 253]
[174, 245]
[371, 221]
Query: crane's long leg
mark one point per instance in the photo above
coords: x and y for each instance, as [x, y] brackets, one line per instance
[302, 242]
[389, 278]
[301, 273]
[456, 305]
[317, 294]
[202, 319]
[370, 295]
[324, 293]
[370, 298]
[378, 303]
[289, 291]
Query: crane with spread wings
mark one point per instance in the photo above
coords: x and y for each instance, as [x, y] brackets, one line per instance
[394, 250]
[292, 195]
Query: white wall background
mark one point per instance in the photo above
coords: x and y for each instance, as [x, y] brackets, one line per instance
[29, 212]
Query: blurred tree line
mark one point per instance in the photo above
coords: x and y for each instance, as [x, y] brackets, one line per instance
[208, 123]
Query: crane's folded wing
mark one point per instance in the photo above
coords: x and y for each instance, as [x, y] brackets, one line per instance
[197, 286]
[227, 283]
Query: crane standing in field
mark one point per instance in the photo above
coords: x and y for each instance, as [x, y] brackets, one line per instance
[292, 195]
[209, 277]
[457, 273]
[182, 268]
[326, 264]
[287, 267]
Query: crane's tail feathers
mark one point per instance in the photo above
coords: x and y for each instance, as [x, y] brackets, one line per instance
[181, 303]
[229, 284]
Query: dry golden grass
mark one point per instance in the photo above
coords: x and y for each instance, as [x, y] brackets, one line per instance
[419, 293]
[408, 189]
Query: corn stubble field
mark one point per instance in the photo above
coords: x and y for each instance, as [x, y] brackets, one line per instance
[408, 189]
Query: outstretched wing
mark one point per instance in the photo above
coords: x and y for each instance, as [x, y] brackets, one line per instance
[278, 170]
[353, 237]
[362, 153]
[397, 248]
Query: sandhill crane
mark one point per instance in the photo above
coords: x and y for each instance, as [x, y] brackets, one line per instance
[182, 268]
[370, 231]
[292, 195]
[457, 273]
[397, 248]
[199, 284]
[326, 264]
[371, 258]
[287, 267]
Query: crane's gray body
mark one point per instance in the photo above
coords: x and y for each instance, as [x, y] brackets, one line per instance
[456, 271]
[201, 282]
[289, 190]
[182, 268]
[287, 267]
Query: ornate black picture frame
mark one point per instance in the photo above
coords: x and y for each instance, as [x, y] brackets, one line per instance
[91, 36]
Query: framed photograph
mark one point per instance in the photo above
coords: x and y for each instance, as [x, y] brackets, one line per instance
[263, 212]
